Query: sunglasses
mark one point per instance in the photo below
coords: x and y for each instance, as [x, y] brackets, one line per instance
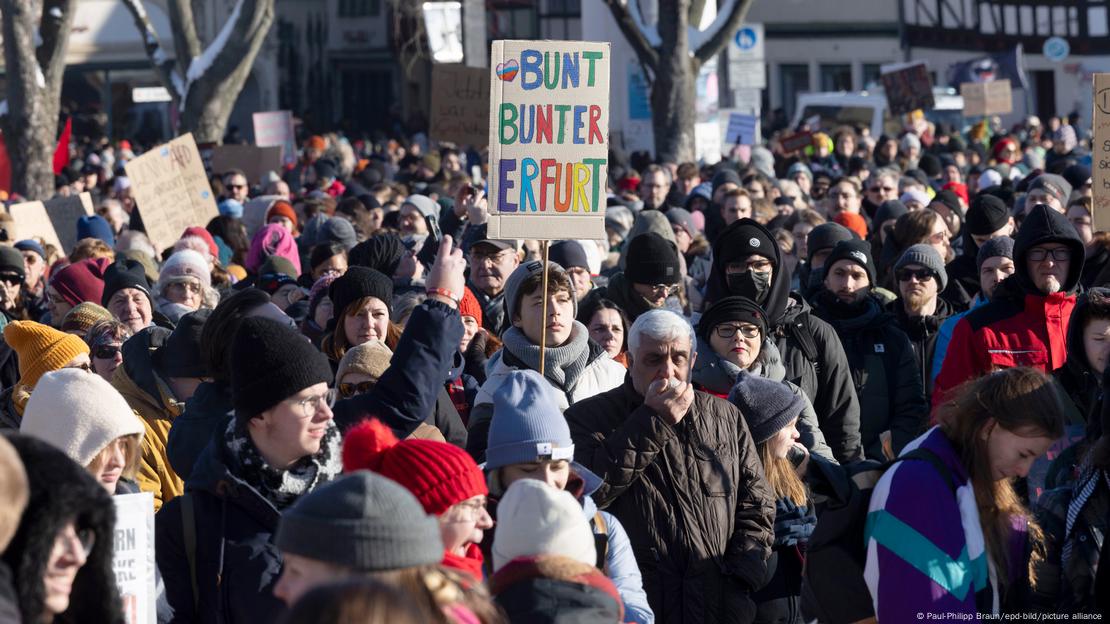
[904, 275]
[106, 352]
[11, 279]
[347, 390]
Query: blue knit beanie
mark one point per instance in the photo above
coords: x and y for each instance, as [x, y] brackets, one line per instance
[95, 227]
[767, 405]
[230, 208]
[527, 425]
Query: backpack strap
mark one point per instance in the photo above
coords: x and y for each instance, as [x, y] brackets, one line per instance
[936, 462]
[189, 528]
[800, 330]
[601, 539]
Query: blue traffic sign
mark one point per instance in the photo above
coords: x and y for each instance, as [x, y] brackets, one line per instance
[1056, 49]
[746, 38]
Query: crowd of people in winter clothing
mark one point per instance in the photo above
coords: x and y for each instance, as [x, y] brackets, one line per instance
[859, 381]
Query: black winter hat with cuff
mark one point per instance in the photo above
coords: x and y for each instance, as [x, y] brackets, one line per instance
[271, 362]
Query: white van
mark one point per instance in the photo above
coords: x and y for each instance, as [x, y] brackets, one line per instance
[868, 108]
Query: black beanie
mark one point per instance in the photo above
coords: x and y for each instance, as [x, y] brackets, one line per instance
[124, 273]
[652, 259]
[381, 253]
[271, 362]
[930, 164]
[732, 309]
[986, 215]
[826, 236]
[725, 176]
[744, 238]
[889, 210]
[180, 355]
[11, 262]
[951, 201]
[359, 282]
[857, 251]
[568, 254]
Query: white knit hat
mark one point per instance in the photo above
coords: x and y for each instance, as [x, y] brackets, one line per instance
[534, 518]
[185, 263]
[78, 412]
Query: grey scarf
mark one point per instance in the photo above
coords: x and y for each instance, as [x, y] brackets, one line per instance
[283, 487]
[562, 365]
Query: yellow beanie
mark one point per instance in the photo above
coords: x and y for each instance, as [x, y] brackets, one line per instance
[41, 349]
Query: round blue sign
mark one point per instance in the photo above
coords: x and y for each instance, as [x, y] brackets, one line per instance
[1056, 49]
[745, 38]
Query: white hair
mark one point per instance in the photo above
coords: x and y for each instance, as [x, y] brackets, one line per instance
[661, 326]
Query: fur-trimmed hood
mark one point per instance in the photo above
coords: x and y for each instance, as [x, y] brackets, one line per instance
[62, 491]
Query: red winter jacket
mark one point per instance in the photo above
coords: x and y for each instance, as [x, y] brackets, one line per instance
[1021, 326]
[1004, 334]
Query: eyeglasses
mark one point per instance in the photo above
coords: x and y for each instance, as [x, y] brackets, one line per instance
[666, 289]
[468, 511]
[880, 189]
[1040, 255]
[724, 330]
[312, 405]
[904, 275]
[106, 352]
[83, 366]
[85, 540]
[190, 286]
[494, 258]
[347, 390]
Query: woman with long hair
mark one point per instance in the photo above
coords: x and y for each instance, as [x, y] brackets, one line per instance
[950, 535]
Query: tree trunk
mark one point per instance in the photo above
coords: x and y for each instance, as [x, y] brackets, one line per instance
[34, 85]
[673, 91]
[207, 95]
[673, 62]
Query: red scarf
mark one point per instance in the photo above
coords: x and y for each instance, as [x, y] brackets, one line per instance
[471, 563]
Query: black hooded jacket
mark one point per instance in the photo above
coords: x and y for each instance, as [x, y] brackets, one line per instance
[922, 332]
[811, 351]
[62, 491]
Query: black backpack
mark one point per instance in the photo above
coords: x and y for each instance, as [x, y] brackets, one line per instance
[836, 553]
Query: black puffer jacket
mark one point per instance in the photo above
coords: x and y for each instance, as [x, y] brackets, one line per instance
[922, 332]
[811, 352]
[887, 380]
[62, 491]
[692, 496]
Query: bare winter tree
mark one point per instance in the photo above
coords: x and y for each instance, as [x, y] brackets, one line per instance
[673, 52]
[205, 82]
[36, 34]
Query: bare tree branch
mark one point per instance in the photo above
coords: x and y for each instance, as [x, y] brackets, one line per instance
[186, 43]
[697, 8]
[644, 50]
[721, 30]
[57, 17]
[165, 66]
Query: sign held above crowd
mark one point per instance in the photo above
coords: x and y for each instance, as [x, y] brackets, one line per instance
[275, 129]
[982, 99]
[460, 105]
[908, 87]
[171, 190]
[549, 139]
[1100, 153]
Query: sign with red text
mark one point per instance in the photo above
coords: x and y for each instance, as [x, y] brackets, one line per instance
[460, 105]
[275, 129]
[171, 190]
[133, 556]
[548, 139]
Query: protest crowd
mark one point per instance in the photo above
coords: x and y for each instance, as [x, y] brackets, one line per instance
[861, 380]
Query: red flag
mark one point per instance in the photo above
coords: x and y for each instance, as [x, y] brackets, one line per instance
[61, 154]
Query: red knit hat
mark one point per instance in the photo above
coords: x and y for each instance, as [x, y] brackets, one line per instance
[469, 306]
[853, 222]
[81, 281]
[437, 473]
[282, 209]
[204, 235]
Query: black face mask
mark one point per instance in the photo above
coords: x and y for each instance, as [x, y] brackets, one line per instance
[750, 284]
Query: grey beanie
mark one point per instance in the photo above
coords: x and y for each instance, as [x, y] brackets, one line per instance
[426, 205]
[927, 257]
[522, 273]
[362, 521]
[338, 230]
[998, 246]
[767, 405]
[527, 425]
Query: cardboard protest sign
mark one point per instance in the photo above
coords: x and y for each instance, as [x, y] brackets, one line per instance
[254, 162]
[275, 129]
[64, 213]
[795, 142]
[31, 220]
[171, 190]
[460, 105]
[133, 556]
[549, 139]
[1100, 153]
[987, 98]
[908, 87]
